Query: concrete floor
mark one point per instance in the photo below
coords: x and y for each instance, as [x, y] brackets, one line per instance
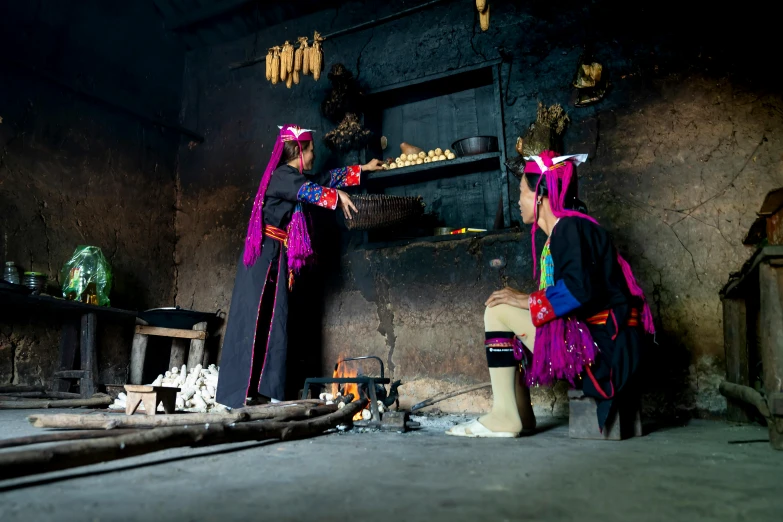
[705, 471]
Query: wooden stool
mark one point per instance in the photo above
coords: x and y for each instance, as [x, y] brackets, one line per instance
[625, 423]
[151, 396]
[179, 342]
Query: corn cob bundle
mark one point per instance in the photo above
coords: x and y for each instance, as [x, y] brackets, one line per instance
[307, 57]
[317, 56]
[288, 51]
[484, 18]
[379, 211]
[269, 57]
[275, 65]
[299, 53]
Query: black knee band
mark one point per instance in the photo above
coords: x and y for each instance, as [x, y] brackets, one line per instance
[500, 349]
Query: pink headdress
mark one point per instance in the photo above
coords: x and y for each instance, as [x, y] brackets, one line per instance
[255, 229]
[558, 171]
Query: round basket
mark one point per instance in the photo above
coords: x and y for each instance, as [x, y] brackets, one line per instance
[379, 211]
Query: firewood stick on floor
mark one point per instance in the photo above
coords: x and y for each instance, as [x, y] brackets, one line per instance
[68, 455]
[96, 401]
[113, 421]
[443, 396]
[60, 436]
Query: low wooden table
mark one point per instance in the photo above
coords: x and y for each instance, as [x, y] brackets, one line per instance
[150, 396]
[79, 325]
[182, 341]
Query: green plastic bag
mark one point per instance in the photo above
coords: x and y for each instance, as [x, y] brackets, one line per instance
[87, 277]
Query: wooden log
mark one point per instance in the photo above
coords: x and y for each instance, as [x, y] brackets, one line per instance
[196, 352]
[735, 344]
[138, 354]
[41, 395]
[170, 332]
[60, 437]
[96, 401]
[443, 396]
[21, 463]
[745, 394]
[771, 340]
[114, 421]
[19, 388]
[87, 344]
[179, 350]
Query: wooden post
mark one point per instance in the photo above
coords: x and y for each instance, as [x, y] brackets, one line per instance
[771, 341]
[735, 344]
[69, 341]
[179, 348]
[88, 353]
[138, 354]
[196, 353]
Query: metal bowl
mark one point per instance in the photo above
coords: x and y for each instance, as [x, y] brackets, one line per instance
[475, 145]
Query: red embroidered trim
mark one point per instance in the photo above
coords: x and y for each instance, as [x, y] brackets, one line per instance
[354, 176]
[328, 199]
[541, 311]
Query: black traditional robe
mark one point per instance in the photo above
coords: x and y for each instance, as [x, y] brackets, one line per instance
[256, 338]
[587, 282]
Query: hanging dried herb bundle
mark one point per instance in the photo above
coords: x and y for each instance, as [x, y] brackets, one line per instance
[379, 211]
[543, 134]
[546, 132]
[349, 135]
[344, 97]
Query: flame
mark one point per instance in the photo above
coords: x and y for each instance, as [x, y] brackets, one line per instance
[343, 371]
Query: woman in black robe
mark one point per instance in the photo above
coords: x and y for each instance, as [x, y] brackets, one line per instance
[253, 360]
[586, 314]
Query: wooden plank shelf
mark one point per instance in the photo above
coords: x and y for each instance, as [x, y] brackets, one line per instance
[376, 245]
[437, 169]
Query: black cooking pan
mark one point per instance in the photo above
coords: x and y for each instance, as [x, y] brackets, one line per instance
[475, 145]
[176, 317]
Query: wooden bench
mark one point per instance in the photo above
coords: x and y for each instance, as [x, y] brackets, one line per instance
[625, 423]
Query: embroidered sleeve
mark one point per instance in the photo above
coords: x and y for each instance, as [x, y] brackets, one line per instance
[345, 177]
[554, 301]
[317, 195]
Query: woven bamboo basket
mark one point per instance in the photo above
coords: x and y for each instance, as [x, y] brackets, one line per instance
[380, 211]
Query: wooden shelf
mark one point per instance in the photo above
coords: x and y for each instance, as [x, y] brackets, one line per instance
[436, 239]
[445, 168]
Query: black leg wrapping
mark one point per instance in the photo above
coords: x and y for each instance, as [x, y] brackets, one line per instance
[500, 349]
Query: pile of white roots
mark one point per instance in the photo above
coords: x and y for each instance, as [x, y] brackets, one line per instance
[197, 389]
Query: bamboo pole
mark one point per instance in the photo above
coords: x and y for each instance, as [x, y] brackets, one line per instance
[60, 437]
[113, 421]
[68, 455]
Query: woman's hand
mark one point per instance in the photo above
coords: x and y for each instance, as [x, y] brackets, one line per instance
[510, 297]
[345, 203]
[372, 166]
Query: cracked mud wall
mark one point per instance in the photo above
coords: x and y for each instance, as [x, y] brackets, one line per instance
[683, 150]
[76, 171]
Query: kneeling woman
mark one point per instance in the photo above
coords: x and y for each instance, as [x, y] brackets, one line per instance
[277, 246]
[583, 324]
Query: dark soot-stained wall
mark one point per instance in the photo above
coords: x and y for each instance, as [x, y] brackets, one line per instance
[77, 171]
[684, 147]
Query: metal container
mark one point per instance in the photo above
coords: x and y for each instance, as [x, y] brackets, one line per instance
[475, 145]
[442, 231]
[35, 281]
[176, 317]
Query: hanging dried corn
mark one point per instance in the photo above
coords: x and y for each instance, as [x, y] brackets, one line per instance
[484, 19]
[288, 51]
[299, 54]
[295, 76]
[317, 56]
[269, 58]
[275, 65]
[481, 5]
[290, 80]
